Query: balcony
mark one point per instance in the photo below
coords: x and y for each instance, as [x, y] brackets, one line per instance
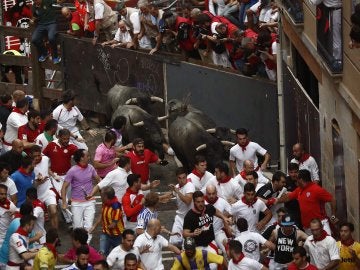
[295, 10]
[329, 37]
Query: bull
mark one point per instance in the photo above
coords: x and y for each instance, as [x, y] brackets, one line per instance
[143, 125]
[188, 139]
[178, 108]
[126, 95]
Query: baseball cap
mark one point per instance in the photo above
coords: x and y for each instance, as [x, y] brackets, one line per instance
[120, 5]
[189, 243]
[287, 220]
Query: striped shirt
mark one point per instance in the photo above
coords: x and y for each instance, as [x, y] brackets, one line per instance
[111, 212]
[144, 216]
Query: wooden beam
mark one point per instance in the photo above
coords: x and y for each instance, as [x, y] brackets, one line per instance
[52, 93]
[9, 88]
[301, 48]
[15, 31]
[14, 60]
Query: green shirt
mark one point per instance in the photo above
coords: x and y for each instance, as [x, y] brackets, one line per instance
[45, 13]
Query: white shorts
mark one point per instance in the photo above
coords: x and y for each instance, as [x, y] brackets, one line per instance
[177, 228]
[220, 236]
[49, 198]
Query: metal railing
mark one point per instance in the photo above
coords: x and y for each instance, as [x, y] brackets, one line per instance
[329, 37]
[295, 9]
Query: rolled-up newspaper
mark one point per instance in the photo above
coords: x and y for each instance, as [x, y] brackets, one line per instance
[282, 192]
[68, 212]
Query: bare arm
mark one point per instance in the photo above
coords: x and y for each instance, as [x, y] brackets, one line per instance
[99, 165]
[174, 249]
[63, 194]
[13, 198]
[94, 191]
[332, 265]
[232, 167]
[28, 255]
[261, 224]
[267, 158]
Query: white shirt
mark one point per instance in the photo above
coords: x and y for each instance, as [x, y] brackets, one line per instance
[152, 259]
[99, 11]
[67, 119]
[14, 121]
[310, 165]
[116, 257]
[117, 180]
[226, 190]
[222, 206]
[133, 19]
[245, 264]
[328, 3]
[42, 141]
[262, 180]
[11, 187]
[322, 252]
[239, 156]
[5, 220]
[43, 168]
[251, 242]
[200, 183]
[250, 213]
[122, 37]
[183, 208]
[18, 244]
[40, 222]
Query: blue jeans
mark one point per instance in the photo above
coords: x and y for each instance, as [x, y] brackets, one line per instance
[45, 30]
[108, 242]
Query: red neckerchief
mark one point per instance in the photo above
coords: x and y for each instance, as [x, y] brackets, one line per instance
[247, 203]
[129, 190]
[111, 202]
[304, 157]
[187, 181]
[21, 231]
[227, 179]
[207, 200]
[82, 166]
[198, 174]
[23, 171]
[243, 174]
[17, 215]
[38, 203]
[321, 237]
[348, 242]
[239, 259]
[52, 248]
[243, 147]
[17, 110]
[6, 204]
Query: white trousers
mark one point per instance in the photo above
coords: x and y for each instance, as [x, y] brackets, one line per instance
[177, 239]
[83, 215]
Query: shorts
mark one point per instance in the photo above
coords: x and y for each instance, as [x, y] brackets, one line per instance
[49, 198]
[177, 228]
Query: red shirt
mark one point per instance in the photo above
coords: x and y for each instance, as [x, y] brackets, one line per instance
[292, 266]
[60, 157]
[131, 204]
[140, 164]
[27, 134]
[312, 199]
[94, 256]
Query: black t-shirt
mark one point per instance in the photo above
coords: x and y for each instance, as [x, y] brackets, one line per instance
[204, 222]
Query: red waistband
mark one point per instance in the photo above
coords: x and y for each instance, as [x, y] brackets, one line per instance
[214, 247]
[9, 263]
[6, 143]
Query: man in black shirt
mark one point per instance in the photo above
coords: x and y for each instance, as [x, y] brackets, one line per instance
[198, 223]
[14, 156]
[270, 191]
[291, 184]
[5, 109]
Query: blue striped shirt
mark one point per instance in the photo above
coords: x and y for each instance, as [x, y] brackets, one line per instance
[144, 216]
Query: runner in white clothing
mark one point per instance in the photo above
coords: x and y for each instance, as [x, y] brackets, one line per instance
[48, 135]
[245, 149]
[67, 114]
[239, 261]
[305, 161]
[227, 187]
[7, 209]
[224, 207]
[199, 175]
[183, 192]
[248, 167]
[251, 241]
[7, 181]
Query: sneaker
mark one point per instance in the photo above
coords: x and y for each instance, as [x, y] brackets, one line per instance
[43, 58]
[56, 60]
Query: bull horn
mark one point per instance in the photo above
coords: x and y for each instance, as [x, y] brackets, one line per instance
[154, 98]
[131, 101]
[233, 131]
[138, 124]
[211, 130]
[201, 147]
[228, 143]
[162, 118]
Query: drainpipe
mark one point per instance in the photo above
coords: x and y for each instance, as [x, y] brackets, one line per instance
[279, 60]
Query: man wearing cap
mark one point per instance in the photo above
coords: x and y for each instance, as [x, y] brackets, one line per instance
[286, 238]
[196, 258]
[67, 114]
